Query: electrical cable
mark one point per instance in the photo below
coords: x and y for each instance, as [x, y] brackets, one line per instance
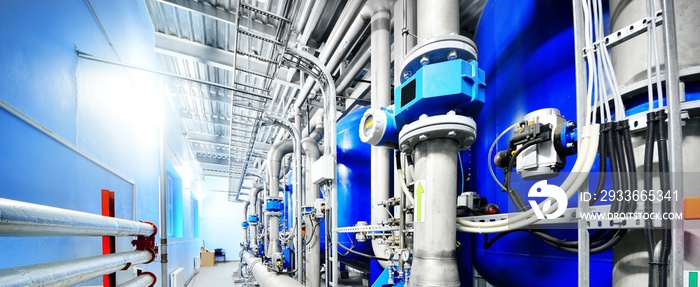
[602, 240]
[361, 254]
[648, 182]
[490, 159]
[631, 163]
[313, 230]
[665, 181]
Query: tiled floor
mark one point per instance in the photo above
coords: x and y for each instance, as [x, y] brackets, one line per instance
[221, 274]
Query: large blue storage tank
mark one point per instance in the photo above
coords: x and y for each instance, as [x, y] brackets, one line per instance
[526, 49]
[353, 185]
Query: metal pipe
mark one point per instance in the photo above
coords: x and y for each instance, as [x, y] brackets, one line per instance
[354, 67]
[144, 280]
[296, 140]
[403, 31]
[381, 97]
[581, 104]
[267, 278]
[253, 202]
[27, 219]
[675, 141]
[434, 262]
[274, 160]
[313, 250]
[18, 114]
[437, 18]
[299, 196]
[70, 272]
[163, 197]
[349, 16]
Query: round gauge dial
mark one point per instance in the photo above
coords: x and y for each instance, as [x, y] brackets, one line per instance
[368, 128]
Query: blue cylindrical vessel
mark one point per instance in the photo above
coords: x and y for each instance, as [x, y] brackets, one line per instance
[526, 49]
[353, 186]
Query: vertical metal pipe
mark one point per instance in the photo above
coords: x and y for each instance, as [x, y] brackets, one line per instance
[675, 140]
[435, 236]
[437, 18]
[163, 248]
[581, 104]
[312, 248]
[298, 197]
[381, 97]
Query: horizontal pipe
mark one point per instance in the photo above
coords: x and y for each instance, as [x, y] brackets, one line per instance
[19, 218]
[267, 278]
[146, 279]
[70, 272]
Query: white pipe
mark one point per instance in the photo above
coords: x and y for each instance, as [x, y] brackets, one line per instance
[437, 18]
[274, 162]
[71, 272]
[19, 218]
[381, 97]
[267, 278]
[296, 184]
[355, 66]
[144, 280]
[313, 253]
[351, 16]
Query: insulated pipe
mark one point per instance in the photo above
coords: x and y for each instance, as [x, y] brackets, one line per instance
[437, 18]
[19, 218]
[274, 160]
[267, 278]
[351, 17]
[354, 67]
[381, 97]
[296, 184]
[253, 200]
[71, 272]
[312, 245]
[144, 280]
[434, 243]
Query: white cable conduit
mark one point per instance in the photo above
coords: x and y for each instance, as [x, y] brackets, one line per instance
[579, 174]
[71, 272]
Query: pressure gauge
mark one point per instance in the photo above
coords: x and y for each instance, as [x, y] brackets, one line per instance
[378, 128]
[405, 255]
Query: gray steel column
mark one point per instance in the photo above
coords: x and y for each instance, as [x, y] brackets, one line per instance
[381, 97]
[675, 142]
[437, 18]
[580, 66]
[435, 236]
[163, 196]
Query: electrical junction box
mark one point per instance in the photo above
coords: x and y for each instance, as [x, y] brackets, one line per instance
[323, 169]
[319, 206]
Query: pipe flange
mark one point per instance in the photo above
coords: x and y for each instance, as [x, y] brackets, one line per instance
[437, 50]
[460, 128]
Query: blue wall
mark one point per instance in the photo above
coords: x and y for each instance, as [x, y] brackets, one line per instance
[109, 112]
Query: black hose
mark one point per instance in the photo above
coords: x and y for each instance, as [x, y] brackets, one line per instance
[648, 186]
[622, 166]
[602, 166]
[631, 163]
[665, 203]
[607, 240]
[614, 167]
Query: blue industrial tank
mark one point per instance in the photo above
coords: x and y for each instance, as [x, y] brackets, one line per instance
[353, 186]
[526, 49]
